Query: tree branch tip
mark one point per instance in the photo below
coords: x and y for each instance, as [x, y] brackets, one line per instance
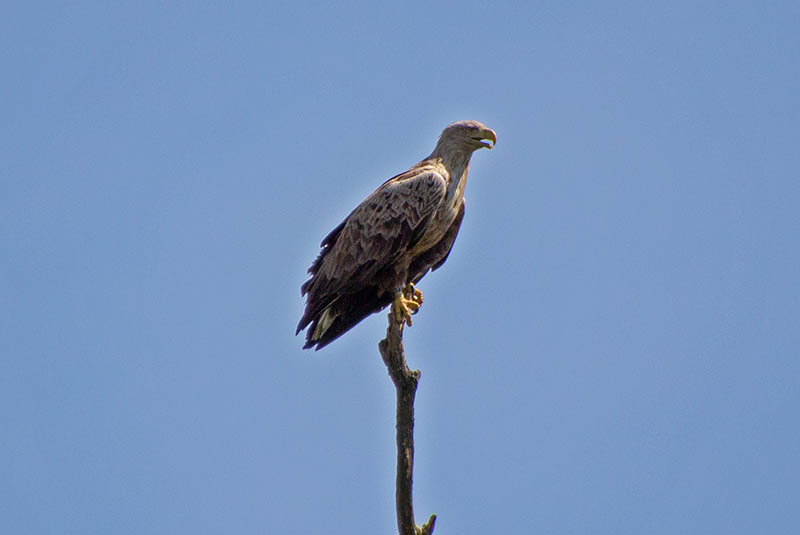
[427, 527]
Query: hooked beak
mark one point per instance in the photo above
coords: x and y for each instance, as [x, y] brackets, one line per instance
[487, 138]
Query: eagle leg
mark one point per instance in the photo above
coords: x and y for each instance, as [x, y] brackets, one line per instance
[403, 307]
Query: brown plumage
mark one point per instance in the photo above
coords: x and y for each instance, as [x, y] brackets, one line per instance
[394, 237]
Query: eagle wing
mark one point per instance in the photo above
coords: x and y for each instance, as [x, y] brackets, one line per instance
[372, 238]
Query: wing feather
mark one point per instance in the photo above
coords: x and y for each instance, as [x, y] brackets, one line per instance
[382, 227]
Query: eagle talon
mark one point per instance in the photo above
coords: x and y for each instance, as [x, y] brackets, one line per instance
[411, 293]
[403, 308]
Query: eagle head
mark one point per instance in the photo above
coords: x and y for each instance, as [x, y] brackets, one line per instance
[471, 135]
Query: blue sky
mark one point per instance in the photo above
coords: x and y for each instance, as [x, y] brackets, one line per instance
[612, 346]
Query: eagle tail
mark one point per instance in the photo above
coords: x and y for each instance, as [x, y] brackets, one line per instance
[344, 314]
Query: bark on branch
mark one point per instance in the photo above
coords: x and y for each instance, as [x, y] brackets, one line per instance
[405, 382]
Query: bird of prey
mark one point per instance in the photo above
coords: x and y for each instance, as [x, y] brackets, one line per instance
[391, 240]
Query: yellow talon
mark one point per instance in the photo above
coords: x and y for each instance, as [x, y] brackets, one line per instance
[403, 307]
[410, 292]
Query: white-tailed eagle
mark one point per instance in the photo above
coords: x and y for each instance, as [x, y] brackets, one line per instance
[391, 240]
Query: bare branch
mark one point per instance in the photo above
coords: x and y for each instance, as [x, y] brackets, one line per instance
[405, 382]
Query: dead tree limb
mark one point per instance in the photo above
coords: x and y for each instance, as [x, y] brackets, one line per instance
[405, 382]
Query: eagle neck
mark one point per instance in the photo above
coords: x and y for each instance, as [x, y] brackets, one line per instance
[457, 164]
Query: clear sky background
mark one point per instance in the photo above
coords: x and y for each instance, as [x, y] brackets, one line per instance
[612, 347]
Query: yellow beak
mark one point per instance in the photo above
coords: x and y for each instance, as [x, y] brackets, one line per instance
[489, 135]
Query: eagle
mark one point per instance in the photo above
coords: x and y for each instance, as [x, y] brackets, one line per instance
[403, 230]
